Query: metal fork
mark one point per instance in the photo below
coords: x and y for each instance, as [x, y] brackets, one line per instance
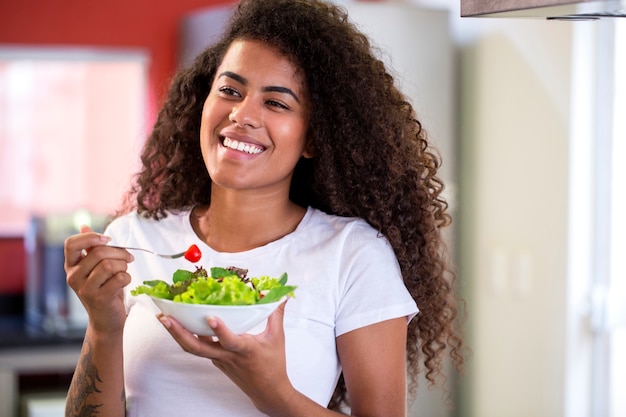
[174, 256]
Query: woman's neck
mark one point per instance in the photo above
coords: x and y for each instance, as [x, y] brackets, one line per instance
[235, 223]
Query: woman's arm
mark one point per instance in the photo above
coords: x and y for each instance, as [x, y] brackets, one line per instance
[97, 387]
[97, 274]
[374, 368]
[373, 360]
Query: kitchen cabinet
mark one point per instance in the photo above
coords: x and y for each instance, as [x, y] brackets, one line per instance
[548, 9]
[17, 362]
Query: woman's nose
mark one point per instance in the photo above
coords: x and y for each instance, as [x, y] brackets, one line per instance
[245, 114]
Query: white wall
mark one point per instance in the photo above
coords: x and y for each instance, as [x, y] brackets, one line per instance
[513, 211]
[514, 196]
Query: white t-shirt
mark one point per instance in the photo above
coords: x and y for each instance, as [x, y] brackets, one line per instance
[347, 277]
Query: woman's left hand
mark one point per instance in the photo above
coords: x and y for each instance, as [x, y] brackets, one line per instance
[255, 363]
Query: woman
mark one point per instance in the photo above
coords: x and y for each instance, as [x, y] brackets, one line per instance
[285, 147]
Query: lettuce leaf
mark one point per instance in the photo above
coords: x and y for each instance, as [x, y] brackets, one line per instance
[225, 286]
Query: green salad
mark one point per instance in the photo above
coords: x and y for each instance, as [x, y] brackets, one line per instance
[224, 286]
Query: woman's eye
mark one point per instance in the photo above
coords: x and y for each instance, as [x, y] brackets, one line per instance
[277, 104]
[229, 91]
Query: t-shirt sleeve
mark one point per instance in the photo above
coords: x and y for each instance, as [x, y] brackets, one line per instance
[372, 289]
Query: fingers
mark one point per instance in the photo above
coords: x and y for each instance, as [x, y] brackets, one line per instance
[75, 246]
[235, 343]
[97, 273]
[215, 347]
[227, 339]
[225, 342]
[79, 246]
[275, 320]
[106, 274]
[198, 345]
[85, 229]
[101, 264]
[94, 270]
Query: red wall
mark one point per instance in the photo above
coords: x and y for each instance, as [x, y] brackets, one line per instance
[12, 265]
[149, 24]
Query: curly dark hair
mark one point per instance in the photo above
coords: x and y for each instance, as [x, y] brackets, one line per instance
[372, 158]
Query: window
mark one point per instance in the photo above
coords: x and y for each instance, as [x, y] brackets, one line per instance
[596, 346]
[616, 309]
[71, 125]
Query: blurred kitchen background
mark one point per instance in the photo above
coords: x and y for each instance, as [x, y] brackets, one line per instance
[528, 113]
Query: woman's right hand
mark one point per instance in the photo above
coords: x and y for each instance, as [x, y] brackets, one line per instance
[97, 274]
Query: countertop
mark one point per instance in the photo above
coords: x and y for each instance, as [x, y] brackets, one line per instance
[14, 333]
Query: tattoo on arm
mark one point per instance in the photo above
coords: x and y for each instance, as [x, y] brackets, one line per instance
[84, 384]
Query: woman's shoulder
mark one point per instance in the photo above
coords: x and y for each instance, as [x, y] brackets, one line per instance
[352, 233]
[321, 220]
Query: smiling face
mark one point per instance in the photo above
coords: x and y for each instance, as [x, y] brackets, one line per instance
[254, 120]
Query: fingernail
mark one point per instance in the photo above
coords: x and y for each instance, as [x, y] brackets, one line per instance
[105, 239]
[164, 320]
[212, 322]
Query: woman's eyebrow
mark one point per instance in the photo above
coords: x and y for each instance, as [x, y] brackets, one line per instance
[244, 81]
[284, 90]
[234, 76]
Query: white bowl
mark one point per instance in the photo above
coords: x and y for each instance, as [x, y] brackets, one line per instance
[238, 319]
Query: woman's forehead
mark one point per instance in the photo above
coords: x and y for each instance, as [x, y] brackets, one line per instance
[257, 59]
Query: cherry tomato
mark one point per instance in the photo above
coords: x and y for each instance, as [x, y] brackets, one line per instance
[193, 254]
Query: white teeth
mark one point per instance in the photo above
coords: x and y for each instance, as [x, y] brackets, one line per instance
[242, 146]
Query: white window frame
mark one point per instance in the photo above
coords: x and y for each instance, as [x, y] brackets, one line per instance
[596, 289]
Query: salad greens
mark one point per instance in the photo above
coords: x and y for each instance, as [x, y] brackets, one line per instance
[224, 286]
